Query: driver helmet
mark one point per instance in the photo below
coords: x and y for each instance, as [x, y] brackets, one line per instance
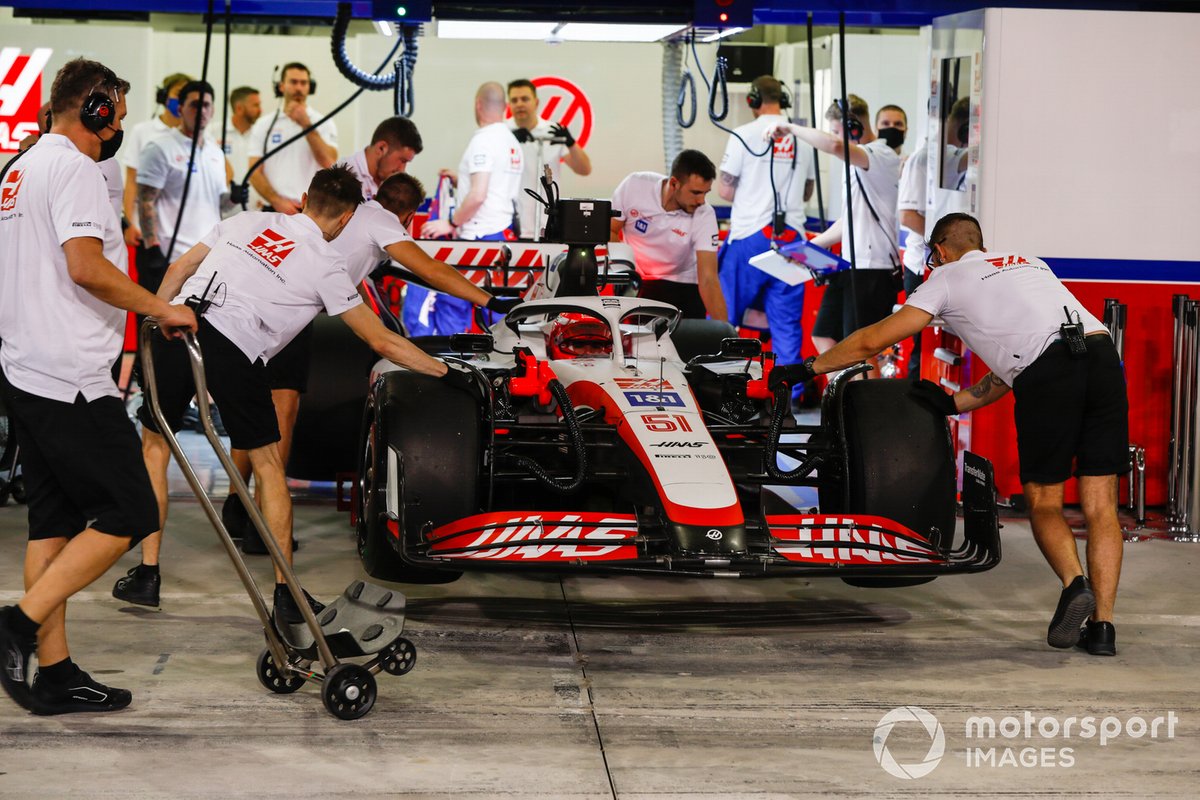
[574, 335]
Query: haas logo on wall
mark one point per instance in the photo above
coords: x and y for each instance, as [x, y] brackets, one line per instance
[8, 192]
[272, 247]
[560, 101]
[20, 94]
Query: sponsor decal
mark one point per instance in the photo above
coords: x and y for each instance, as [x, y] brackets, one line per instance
[785, 148]
[633, 212]
[12, 185]
[716, 240]
[666, 423]
[20, 94]
[678, 444]
[822, 539]
[528, 537]
[642, 226]
[679, 232]
[565, 103]
[273, 247]
[642, 383]
[514, 159]
[714, 534]
[479, 159]
[276, 138]
[637, 399]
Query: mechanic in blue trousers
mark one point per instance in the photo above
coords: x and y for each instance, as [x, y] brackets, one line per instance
[63, 300]
[378, 231]
[272, 274]
[673, 233]
[1071, 404]
[760, 180]
[489, 182]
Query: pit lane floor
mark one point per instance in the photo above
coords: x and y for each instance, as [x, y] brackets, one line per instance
[592, 687]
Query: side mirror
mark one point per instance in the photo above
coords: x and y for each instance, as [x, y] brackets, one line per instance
[472, 342]
[738, 347]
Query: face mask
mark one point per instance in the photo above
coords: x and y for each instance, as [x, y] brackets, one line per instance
[893, 136]
[109, 147]
[173, 106]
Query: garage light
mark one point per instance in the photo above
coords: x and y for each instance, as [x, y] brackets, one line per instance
[384, 26]
[722, 34]
[541, 31]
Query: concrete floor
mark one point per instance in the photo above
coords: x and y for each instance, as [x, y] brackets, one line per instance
[621, 687]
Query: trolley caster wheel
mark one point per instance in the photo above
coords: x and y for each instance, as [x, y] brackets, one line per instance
[399, 657]
[272, 677]
[348, 691]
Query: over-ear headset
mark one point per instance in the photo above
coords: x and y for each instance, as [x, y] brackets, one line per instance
[98, 110]
[853, 124]
[277, 78]
[160, 95]
[754, 98]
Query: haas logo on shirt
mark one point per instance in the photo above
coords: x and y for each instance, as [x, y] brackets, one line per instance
[12, 185]
[785, 148]
[273, 247]
[514, 159]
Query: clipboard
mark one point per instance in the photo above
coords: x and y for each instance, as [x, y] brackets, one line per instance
[798, 262]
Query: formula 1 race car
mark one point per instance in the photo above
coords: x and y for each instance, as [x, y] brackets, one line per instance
[605, 434]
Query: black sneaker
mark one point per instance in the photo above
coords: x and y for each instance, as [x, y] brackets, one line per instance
[139, 588]
[1075, 605]
[79, 693]
[235, 518]
[287, 611]
[1098, 638]
[16, 653]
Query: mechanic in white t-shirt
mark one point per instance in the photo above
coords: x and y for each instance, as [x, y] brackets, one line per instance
[62, 321]
[1071, 408]
[954, 155]
[488, 181]
[543, 144]
[245, 103]
[167, 96]
[395, 142]
[891, 125]
[162, 174]
[761, 180]
[866, 295]
[272, 273]
[673, 233]
[284, 176]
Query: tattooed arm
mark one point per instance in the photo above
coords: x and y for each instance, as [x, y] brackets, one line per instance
[988, 390]
[146, 197]
[727, 186]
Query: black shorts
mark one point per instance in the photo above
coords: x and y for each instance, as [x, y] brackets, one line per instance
[151, 267]
[83, 468]
[684, 296]
[838, 313]
[238, 386]
[1072, 410]
[289, 368]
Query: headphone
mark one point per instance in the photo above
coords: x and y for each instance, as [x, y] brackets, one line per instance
[160, 95]
[754, 98]
[853, 124]
[98, 110]
[277, 78]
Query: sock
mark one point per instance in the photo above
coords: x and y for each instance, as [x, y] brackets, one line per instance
[59, 673]
[21, 623]
[147, 570]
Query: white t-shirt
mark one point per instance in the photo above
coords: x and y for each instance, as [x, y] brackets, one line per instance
[753, 207]
[492, 149]
[358, 165]
[59, 340]
[364, 241]
[290, 170]
[552, 156]
[912, 198]
[137, 137]
[113, 180]
[163, 166]
[664, 242]
[277, 273]
[1005, 306]
[875, 242]
[237, 151]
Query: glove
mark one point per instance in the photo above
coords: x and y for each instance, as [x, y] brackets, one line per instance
[460, 380]
[930, 395]
[502, 305]
[522, 135]
[792, 374]
[560, 131]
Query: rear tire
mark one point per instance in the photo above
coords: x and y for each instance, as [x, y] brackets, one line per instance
[436, 432]
[900, 465]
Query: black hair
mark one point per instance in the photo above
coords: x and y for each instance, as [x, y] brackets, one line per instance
[398, 132]
[334, 191]
[400, 194]
[692, 162]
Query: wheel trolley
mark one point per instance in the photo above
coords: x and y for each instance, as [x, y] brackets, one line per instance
[365, 622]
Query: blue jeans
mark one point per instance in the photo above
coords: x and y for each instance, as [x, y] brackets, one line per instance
[745, 286]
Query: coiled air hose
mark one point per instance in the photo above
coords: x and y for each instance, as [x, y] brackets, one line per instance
[576, 434]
